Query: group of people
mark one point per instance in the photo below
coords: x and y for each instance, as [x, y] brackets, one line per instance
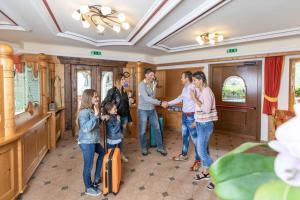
[198, 114]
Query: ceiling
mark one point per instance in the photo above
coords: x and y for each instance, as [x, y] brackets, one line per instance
[158, 27]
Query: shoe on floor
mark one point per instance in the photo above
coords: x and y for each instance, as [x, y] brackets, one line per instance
[202, 176]
[162, 151]
[196, 166]
[145, 152]
[211, 186]
[124, 159]
[180, 157]
[93, 192]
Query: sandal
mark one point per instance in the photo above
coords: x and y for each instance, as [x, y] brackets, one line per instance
[196, 166]
[211, 186]
[180, 157]
[202, 176]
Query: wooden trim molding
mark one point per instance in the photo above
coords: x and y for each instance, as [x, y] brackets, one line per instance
[90, 61]
[217, 60]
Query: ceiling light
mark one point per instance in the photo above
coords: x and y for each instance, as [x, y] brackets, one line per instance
[101, 17]
[105, 10]
[125, 25]
[84, 9]
[76, 15]
[211, 35]
[117, 28]
[209, 38]
[199, 40]
[220, 38]
[85, 24]
[212, 41]
[121, 17]
[100, 28]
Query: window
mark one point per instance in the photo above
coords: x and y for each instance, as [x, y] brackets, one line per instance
[27, 86]
[294, 83]
[84, 81]
[234, 90]
[106, 83]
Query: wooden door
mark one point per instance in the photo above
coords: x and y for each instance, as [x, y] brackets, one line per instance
[237, 88]
[83, 77]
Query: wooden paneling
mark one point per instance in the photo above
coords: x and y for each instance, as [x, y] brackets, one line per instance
[173, 120]
[57, 126]
[173, 81]
[35, 146]
[161, 83]
[68, 93]
[89, 61]
[8, 171]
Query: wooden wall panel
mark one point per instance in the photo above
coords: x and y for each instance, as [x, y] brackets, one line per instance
[173, 83]
[68, 96]
[8, 171]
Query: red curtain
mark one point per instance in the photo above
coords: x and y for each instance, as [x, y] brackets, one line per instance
[273, 68]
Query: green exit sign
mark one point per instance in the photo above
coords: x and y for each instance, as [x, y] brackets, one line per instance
[232, 50]
[96, 53]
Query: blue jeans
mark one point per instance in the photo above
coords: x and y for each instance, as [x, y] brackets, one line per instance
[187, 131]
[88, 151]
[153, 119]
[204, 130]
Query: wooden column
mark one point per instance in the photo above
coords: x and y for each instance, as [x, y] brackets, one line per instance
[43, 68]
[52, 78]
[6, 53]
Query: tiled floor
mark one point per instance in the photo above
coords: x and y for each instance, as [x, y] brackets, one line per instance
[150, 177]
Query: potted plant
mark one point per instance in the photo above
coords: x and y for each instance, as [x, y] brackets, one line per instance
[241, 176]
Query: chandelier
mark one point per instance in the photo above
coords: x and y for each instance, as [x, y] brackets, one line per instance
[209, 38]
[101, 17]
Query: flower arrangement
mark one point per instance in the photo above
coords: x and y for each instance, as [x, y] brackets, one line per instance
[242, 176]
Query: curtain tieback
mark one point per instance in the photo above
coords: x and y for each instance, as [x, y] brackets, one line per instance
[271, 99]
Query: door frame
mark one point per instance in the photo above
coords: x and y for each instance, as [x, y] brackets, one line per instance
[258, 63]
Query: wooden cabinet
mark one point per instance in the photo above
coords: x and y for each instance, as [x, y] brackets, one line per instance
[57, 126]
[173, 120]
[9, 171]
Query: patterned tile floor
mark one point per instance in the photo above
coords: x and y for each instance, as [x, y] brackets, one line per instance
[144, 177]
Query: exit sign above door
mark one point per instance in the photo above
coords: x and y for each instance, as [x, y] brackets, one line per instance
[96, 53]
[232, 50]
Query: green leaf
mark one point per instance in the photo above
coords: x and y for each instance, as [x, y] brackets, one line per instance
[277, 190]
[237, 175]
[246, 146]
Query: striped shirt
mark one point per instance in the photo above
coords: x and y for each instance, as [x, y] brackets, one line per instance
[207, 111]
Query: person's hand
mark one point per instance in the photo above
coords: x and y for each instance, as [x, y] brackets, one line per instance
[164, 104]
[96, 109]
[105, 117]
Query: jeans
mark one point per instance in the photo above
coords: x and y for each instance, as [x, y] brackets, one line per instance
[143, 116]
[204, 130]
[88, 151]
[187, 131]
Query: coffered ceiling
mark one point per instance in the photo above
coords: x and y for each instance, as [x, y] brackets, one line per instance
[158, 27]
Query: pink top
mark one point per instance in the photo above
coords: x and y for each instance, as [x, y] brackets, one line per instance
[207, 111]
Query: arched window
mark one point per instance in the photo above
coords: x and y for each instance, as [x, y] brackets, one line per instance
[234, 90]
